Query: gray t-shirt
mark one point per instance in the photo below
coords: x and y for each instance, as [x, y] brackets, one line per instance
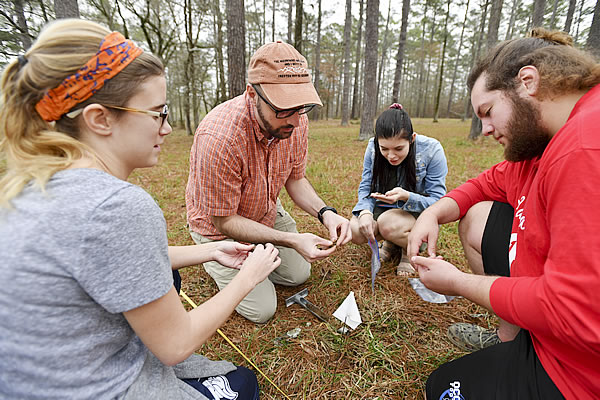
[72, 260]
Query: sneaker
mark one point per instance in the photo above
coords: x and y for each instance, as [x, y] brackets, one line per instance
[387, 250]
[471, 337]
[404, 267]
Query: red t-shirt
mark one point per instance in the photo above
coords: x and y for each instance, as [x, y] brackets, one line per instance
[554, 285]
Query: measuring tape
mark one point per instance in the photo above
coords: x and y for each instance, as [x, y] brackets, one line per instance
[185, 296]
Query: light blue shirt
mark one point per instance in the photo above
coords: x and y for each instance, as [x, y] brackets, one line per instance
[432, 169]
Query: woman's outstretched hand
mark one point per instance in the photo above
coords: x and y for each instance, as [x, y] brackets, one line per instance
[232, 254]
[392, 196]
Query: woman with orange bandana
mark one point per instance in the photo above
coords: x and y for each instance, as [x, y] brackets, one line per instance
[88, 306]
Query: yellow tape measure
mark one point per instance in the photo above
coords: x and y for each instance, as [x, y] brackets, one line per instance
[185, 296]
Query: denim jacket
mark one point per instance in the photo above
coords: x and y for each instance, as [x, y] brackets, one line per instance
[431, 178]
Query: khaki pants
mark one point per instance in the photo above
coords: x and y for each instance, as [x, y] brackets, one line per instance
[260, 304]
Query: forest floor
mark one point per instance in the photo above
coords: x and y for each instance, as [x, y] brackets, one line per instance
[402, 338]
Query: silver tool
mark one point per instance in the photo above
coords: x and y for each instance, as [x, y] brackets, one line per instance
[300, 298]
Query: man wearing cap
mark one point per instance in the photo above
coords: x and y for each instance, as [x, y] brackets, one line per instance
[245, 150]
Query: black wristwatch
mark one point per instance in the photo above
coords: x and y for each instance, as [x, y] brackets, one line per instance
[322, 210]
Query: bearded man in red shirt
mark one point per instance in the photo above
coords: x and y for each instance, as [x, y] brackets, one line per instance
[539, 97]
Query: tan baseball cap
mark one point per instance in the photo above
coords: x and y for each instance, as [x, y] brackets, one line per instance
[283, 74]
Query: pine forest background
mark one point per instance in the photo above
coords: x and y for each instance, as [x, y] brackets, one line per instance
[364, 54]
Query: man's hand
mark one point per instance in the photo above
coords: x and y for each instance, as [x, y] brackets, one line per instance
[443, 277]
[313, 247]
[392, 196]
[426, 230]
[339, 228]
[231, 254]
[438, 275]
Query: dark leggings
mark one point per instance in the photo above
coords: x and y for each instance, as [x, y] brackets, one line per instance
[177, 281]
[240, 384]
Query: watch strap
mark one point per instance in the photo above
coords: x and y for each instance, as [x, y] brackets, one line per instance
[322, 211]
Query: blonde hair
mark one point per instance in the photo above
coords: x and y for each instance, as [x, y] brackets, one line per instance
[36, 150]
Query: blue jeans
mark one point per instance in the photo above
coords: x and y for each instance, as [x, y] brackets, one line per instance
[240, 384]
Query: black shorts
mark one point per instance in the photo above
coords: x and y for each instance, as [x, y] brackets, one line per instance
[509, 370]
[378, 210]
[496, 239]
[505, 371]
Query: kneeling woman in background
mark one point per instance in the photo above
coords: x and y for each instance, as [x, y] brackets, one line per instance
[403, 174]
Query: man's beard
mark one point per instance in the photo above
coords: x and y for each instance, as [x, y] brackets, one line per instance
[527, 136]
[276, 133]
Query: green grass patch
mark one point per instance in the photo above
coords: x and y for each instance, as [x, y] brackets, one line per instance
[402, 339]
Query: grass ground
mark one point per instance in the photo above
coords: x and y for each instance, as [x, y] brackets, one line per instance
[402, 338]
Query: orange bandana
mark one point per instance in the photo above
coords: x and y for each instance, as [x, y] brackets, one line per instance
[115, 53]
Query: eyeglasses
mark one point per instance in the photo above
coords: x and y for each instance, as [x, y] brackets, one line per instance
[282, 114]
[163, 115]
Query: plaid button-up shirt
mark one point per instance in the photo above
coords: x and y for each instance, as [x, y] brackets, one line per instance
[235, 170]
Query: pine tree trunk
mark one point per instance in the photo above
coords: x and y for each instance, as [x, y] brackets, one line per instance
[370, 70]
[570, 12]
[494, 24]
[355, 98]
[400, 54]
[492, 39]
[425, 97]
[347, 44]
[456, 62]
[264, 22]
[421, 72]
[593, 41]
[576, 37]
[477, 47]
[188, 76]
[66, 9]
[236, 45]
[221, 86]
[298, 27]
[539, 7]
[553, 17]
[22, 23]
[513, 16]
[442, 60]
[384, 48]
[273, 22]
[188, 68]
[317, 112]
[290, 21]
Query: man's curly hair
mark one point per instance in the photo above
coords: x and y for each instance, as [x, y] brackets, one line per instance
[562, 67]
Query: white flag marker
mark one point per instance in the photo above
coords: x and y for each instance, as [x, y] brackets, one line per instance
[348, 312]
